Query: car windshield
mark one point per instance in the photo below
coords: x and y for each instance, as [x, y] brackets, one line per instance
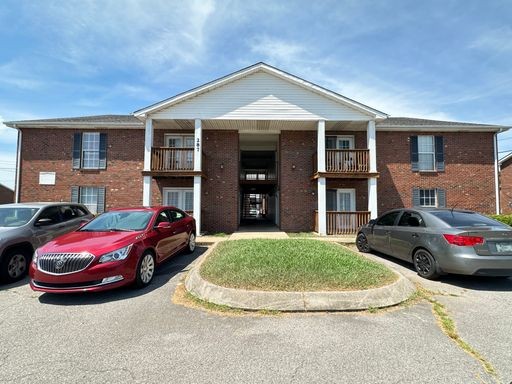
[466, 219]
[119, 221]
[16, 217]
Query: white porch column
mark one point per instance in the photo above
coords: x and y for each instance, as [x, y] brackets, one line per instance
[148, 143]
[198, 152]
[372, 181]
[322, 183]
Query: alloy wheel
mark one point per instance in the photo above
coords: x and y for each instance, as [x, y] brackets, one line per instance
[362, 243]
[147, 268]
[191, 242]
[423, 263]
[16, 266]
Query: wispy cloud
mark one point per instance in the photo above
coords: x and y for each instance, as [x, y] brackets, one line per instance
[92, 35]
[496, 40]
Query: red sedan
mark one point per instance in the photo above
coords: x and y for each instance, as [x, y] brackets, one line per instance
[119, 247]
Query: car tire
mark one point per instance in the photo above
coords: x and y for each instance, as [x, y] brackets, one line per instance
[191, 243]
[145, 270]
[362, 243]
[425, 264]
[14, 265]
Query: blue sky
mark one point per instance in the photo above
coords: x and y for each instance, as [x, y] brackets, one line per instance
[432, 59]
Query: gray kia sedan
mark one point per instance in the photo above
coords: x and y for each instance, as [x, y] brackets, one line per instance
[25, 227]
[439, 241]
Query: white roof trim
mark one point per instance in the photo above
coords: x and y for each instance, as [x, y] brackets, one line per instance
[440, 127]
[371, 112]
[76, 124]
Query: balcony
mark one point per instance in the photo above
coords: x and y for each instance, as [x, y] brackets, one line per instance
[344, 223]
[166, 161]
[345, 163]
[258, 176]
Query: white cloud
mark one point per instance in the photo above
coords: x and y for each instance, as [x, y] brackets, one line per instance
[277, 50]
[497, 40]
[153, 35]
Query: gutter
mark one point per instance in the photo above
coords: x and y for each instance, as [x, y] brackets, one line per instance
[496, 172]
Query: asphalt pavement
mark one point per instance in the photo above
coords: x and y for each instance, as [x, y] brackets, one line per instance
[141, 336]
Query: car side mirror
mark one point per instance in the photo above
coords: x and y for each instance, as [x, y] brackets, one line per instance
[163, 225]
[43, 221]
[372, 222]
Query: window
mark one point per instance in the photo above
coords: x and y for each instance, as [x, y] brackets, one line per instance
[339, 142]
[466, 219]
[51, 214]
[427, 153]
[89, 150]
[92, 197]
[177, 215]
[182, 198]
[341, 200]
[411, 219]
[429, 197]
[388, 219]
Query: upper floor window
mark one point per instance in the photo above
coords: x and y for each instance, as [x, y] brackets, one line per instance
[427, 153]
[339, 142]
[90, 150]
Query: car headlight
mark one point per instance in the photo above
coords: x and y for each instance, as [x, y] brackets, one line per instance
[34, 257]
[118, 254]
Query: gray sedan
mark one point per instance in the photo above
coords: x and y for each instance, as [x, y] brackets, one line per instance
[439, 241]
[25, 227]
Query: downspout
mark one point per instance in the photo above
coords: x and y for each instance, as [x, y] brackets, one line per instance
[496, 173]
[18, 167]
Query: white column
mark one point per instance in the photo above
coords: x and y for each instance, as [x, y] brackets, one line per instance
[198, 151]
[322, 206]
[372, 181]
[322, 183]
[148, 143]
[320, 148]
[371, 136]
[372, 197]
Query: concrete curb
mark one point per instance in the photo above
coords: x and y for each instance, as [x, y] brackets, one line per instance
[386, 296]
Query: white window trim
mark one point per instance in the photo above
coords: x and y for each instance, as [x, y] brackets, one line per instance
[352, 193]
[182, 136]
[351, 138]
[82, 150]
[176, 189]
[433, 153]
[436, 201]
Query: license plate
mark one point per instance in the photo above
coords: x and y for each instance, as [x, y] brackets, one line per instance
[504, 247]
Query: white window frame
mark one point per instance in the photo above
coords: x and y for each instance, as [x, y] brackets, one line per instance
[350, 138]
[181, 196]
[432, 153]
[436, 203]
[182, 137]
[91, 205]
[352, 193]
[95, 152]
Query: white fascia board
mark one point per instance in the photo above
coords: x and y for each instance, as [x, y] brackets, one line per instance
[75, 125]
[372, 113]
[435, 128]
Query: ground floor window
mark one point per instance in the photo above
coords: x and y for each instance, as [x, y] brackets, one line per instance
[92, 197]
[182, 198]
[429, 197]
[343, 199]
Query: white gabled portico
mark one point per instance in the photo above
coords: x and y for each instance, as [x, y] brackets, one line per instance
[262, 100]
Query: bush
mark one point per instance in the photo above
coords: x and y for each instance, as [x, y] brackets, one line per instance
[506, 219]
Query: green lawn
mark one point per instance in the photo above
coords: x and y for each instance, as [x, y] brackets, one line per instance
[292, 265]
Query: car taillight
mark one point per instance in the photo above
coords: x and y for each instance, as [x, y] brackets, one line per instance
[464, 241]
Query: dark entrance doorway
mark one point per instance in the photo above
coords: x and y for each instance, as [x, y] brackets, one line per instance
[258, 205]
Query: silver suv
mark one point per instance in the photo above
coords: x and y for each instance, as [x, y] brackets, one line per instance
[25, 227]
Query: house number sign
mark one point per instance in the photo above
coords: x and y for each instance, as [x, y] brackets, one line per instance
[198, 144]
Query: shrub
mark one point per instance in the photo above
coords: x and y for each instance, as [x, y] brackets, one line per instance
[506, 219]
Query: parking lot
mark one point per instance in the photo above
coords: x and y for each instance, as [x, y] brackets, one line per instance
[141, 336]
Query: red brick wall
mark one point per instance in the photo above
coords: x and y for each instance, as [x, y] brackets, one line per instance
[6, 195]
[506, 187]
[50, 150]
[468, 178]
[220, 187]
[298, 193]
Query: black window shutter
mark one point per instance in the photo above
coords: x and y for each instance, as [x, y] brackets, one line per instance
[100, 204]
[103, 150]
[77, 150]
[75, 194]
[414, 154]
[439, 153]
[441, 198]
[415, 197]
[331, 200]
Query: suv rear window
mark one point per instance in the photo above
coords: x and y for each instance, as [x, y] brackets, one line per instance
[466, 219]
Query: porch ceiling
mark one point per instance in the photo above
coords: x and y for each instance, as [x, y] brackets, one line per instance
[260, 126]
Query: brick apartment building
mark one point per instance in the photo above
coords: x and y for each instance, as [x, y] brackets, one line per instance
[260, 145]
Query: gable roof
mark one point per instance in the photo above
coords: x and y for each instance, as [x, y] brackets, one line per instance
[106, 121]
[407, 123]
[260, 67]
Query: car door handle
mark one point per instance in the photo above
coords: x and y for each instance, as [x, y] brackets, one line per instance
[388, 232]
[415, 235]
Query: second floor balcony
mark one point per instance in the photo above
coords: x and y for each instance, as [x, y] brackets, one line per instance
[345, 163]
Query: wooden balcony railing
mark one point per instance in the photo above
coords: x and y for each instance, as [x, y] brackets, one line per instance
[172, 159]
[344, 223]
[345, 161]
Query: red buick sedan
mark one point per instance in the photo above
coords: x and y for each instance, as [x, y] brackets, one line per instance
[119, 247]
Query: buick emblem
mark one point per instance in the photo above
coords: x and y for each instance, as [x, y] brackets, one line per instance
[60, 262]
